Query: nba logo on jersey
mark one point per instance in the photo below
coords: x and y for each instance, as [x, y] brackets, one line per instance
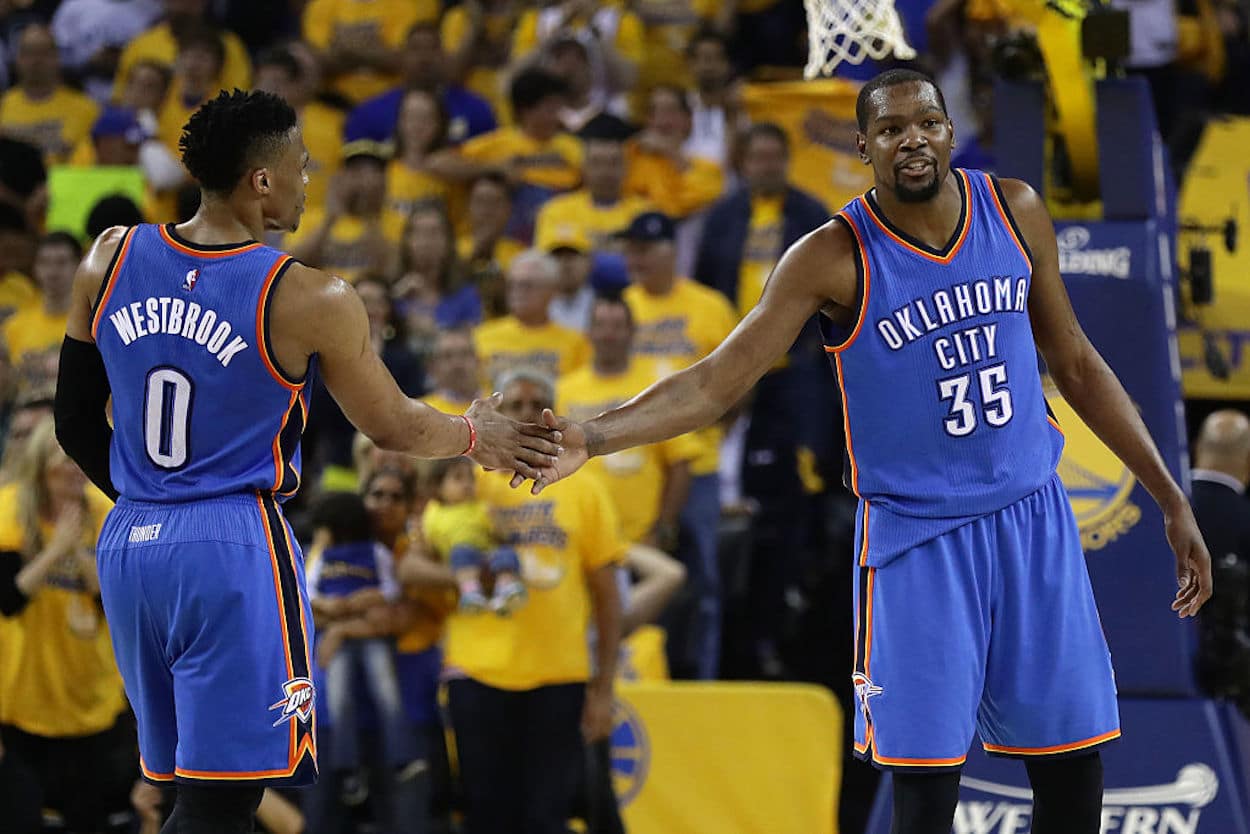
[298, 702]
[193, 275]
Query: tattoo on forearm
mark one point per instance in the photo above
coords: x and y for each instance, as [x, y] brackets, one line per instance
[594, 440]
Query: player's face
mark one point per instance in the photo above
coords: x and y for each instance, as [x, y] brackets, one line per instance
[287, 178]
[908, 141]
[524, 400]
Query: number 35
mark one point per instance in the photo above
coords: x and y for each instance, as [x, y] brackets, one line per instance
[995, 400]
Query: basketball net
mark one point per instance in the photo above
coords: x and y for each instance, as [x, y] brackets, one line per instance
[852, 30]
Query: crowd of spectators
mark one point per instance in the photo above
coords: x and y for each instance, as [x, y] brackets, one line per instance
[559, 202]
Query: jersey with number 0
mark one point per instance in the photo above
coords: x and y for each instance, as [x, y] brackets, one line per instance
[944, 412]
[200, 408]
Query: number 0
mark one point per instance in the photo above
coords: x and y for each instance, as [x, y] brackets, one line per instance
[167, 417]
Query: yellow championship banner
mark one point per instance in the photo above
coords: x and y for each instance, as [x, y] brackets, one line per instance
[1217, 187]
[819, 118]
[727, 758]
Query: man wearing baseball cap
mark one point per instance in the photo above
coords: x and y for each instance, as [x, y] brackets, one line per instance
[678, 323]
[570, 246]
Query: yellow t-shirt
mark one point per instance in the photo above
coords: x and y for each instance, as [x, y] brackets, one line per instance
[555, 164]
[577, 214]
[488, 78]
[388, 20]
[505, 343]
[406, 188]
[159, 45]
[322, 128]
[346, 253]
[760, 252]
[677, 330]
[561, 535]
[668, 25]
[633, 477]
[32, 330]
[54, 681]
[448, 525]
[506, 249]
[627, 39]
[16, 293]
[437, 400]
[54, 125]
[675, 192]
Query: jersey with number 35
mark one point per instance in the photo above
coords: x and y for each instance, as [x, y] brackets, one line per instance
[200, 407]
[944, 412]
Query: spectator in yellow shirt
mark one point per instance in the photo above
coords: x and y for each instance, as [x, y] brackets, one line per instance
[360, 41]
[486, 249]
[660, 166]
[527, 337]
[279, 71]
[62, 706]
[17, 255]
[478, 37]
[39, 328]
[420, 131]
[523, 694]
[648, 484]
[40, 109]
[160, 44]
[535, 154]
[352, 234]
[599, 209]
[453, 372]
[679, 323]
[201, 54]
[590, 108]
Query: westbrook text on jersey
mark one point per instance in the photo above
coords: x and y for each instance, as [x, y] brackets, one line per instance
[175, 317]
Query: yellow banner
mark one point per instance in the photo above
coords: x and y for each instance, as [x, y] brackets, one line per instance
[1216, 187]
[819, 118]
[727, 758]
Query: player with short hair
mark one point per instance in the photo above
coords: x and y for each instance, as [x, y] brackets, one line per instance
[938, 288]
[207, 341]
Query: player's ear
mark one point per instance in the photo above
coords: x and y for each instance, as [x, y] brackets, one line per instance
[260, 181]
[861, 145]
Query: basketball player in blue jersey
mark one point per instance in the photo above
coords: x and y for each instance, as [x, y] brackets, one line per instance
[938, 289]
[207, 342]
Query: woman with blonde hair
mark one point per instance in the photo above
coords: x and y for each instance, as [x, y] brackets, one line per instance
[62, 708]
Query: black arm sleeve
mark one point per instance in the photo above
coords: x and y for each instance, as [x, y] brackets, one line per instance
[12, 600]
[82, 392]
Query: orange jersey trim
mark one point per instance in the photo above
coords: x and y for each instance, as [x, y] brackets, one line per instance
[863, 296]
[156, 777]
[262, 342]
[959, 240]
[279, 464]
[1011, 227]
[277, 583]
[846, 425]
[110, 281]
[872, 578]
[1055, 423]
[1057, 748]
[902, 762]
[205, 253]
[236, 776]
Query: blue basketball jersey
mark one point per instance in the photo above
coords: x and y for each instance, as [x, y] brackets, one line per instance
[943, 407]
[200, 407]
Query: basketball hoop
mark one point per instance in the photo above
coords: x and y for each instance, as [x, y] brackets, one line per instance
[852, 30]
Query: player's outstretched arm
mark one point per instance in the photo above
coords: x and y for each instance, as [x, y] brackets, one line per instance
[82, 386]
[1092, 388]
[314, 313]
[815, 272]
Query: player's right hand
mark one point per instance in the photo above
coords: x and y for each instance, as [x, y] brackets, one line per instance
[503, 443]
[1193, 561]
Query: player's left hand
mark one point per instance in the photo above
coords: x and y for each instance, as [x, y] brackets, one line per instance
[573, 453]
[503, 443]
[597, 713]
[1193, 562]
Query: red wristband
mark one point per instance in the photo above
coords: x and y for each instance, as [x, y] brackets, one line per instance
[472, 436]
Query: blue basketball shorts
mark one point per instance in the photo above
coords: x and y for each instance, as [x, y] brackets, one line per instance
[991, 626]
[210, 620]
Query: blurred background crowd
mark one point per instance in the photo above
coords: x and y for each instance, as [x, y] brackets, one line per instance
[562, 202]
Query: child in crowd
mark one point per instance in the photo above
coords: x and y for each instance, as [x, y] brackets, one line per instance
[458, 527]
